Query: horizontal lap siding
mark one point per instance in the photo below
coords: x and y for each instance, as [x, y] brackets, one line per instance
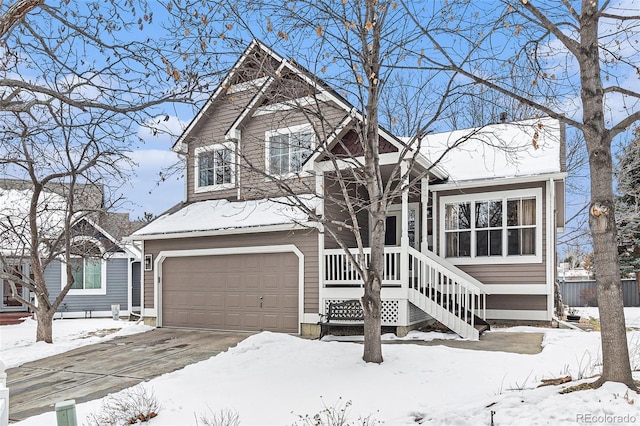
[305, 240]
[517, 302]
[211, 129]
[117, 289]
[251, 184]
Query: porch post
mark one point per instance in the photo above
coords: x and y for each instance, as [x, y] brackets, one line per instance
[424, 205]
[321, 259]
[404, 238]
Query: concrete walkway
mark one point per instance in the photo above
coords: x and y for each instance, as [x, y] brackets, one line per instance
[93, 371]
[515, 342]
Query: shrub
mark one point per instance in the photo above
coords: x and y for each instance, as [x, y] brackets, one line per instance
[129, 407]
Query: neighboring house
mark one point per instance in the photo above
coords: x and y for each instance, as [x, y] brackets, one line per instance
[474, 235]
[109, 277]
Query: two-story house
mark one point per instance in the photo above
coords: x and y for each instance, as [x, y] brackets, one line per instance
[472, 235]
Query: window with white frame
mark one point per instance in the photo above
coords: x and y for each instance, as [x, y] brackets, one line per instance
[87, 273]
[288, 149]
[495, 227]
[88, 268]
[215, 167]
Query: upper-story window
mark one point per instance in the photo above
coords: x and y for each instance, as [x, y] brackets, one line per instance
[214, 166]
[493, 228]
[288, 149]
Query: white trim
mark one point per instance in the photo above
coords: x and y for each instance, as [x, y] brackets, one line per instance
[513, 314]
[389, 158]
[130, 285]
[81, 314]
[551, 238]
[311, 318]
[448, 186]
[284, 248]
[217, 146]
[150, 312]
[292, 104]
[246, 85]
[179, 145]
[231, 231]
[486, 196]
[289, 130]
[142, 273]
[85, 291]
[523, 289]
[396, 210]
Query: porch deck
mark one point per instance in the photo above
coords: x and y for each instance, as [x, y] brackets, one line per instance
[411, 280]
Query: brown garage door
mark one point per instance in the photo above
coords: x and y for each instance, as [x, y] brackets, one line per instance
[251, 292]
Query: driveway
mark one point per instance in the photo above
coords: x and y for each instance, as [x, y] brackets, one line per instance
[93, 371]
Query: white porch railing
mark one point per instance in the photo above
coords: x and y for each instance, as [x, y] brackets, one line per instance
[339, 270]
[447, 293]
[433, 284]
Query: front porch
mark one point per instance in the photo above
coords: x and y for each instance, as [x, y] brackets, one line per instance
[415, 287]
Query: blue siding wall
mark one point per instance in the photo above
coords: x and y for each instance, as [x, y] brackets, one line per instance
[117, 293]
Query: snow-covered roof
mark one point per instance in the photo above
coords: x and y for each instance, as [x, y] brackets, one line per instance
[213, 215]
[504, 150]
[14, 219]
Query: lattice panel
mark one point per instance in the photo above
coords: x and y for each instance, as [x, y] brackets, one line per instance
[389, 310]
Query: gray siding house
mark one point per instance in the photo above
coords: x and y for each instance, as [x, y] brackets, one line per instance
[110, 277]
[471, 237]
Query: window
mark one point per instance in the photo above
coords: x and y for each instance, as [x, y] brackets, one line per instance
[521, 226]
[287, 151]
[458, 230]
[496, 227]
[214, 167]
[87, 274]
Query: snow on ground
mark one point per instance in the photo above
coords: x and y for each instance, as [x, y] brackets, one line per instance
[18, 342]
[631, 315]
[272, 379]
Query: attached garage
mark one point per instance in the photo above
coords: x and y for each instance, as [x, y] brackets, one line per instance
[245, 291]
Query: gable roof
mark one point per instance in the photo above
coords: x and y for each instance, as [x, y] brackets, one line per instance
[505, 150]
[325, 92]
[52, 209]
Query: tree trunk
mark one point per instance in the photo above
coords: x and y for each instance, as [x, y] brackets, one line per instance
[44, 332]
[371, 300]
[615, 354]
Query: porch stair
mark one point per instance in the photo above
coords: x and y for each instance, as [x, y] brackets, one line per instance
[448, 294]
[11, 318]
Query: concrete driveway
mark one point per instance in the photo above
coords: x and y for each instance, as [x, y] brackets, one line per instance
[94, 371]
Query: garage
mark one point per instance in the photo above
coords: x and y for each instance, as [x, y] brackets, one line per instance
[250, 292]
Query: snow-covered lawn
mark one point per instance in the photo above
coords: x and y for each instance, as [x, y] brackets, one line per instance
[18, 342]
[273, 379]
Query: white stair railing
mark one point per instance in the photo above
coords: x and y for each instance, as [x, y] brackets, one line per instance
[447, 293]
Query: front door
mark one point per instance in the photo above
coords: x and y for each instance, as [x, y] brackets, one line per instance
[393, 226]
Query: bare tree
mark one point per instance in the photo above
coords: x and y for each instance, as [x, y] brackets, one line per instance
[576, 57]
[77, 81]
[66, 167]
[356, 47]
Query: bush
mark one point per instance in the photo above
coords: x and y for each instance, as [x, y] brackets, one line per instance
[335, 415]
[129, 407]
[219, 418]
